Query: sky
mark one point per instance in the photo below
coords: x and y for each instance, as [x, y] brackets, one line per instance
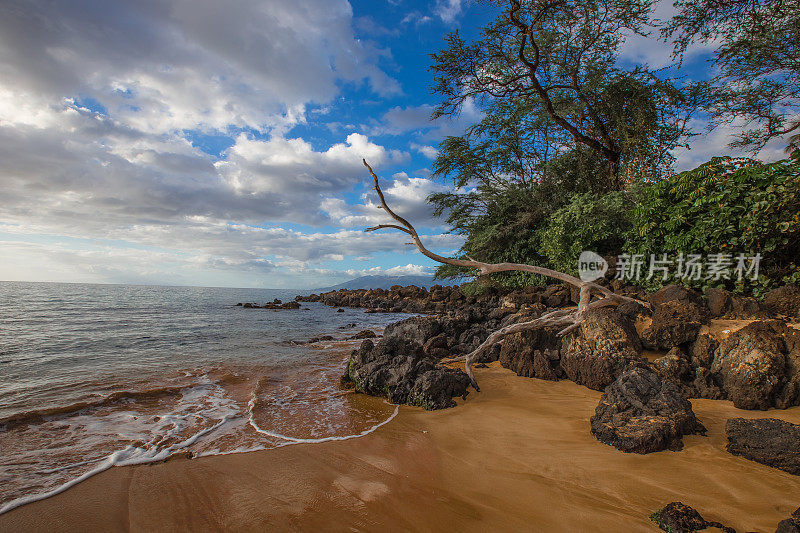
[199, 142]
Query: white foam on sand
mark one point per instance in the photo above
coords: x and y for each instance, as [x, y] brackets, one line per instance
[294, 440]
[133, 455]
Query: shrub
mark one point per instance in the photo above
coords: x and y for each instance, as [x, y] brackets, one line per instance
[587, 222]
[727, 206]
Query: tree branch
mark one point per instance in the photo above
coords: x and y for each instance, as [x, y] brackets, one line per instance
[570, 318]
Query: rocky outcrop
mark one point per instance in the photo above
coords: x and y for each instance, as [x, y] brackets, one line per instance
[364, 334]
[533, 354]
[398, 369]
[783, 301]
[677, 517]
[274, 305]
[768, 441]
[724, 304]
[758, 366]
[596, 352]
[642, 413]
[791, 524]
[678, 314]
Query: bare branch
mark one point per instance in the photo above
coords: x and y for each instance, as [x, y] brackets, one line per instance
[570, 318]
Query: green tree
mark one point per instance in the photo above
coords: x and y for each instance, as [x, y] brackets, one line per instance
[561, 57]
[758, 57]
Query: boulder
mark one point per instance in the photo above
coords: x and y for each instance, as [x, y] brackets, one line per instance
[768, 441]
[364, 334]
[757, 366]
[416, 329]
[678, 314]
[674, 323]
[676, 367]
[398, 369]
[556, 295]
[533, 354]
[791, 524]
[783, 301]
[596, 352]
[719, 302]
[677, 517]
[642, 413]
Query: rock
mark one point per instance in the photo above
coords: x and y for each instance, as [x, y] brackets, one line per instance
[556, 295]
[416, 329]
[398, 369]
[238, 305]
[768, 441]
[678, 313]
[533, 354]
[679, 293]
[675, 367]
[701, 351]
[365, 334]
[340, 310]
[351, 325]
[719, 302]
[791, 524]
[596, 352]
[783, 301]
[437, 346]
[676, 517]
[320, 338]
[632, 310]
[642, 413]
[758, 366]
[674, 323]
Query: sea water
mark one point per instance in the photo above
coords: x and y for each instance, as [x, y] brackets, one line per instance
[93, 376]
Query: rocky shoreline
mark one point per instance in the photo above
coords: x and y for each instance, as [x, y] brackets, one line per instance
[647, 362]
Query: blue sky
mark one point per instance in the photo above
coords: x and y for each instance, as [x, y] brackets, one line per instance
[198, 142]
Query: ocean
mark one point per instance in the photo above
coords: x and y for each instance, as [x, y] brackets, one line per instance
[94, 376]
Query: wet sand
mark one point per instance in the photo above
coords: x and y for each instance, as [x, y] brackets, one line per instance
[517, 456]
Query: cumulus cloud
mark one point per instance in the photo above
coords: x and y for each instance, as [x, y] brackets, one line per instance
[417, 119]
[405, 195]
[99, 101]
[188, 63]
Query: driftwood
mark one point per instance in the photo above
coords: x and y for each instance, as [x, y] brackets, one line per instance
[569, 318]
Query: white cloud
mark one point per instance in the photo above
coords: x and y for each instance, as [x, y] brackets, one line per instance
[448, 10]
[428, 151]
[715, 143]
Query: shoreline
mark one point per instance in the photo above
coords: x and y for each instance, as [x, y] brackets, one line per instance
[518, 454]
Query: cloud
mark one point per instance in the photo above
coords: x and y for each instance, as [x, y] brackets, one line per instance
[714, 143]
[652, 51]
[417, 120]
[448, 10]
[406, 196]
[160, 66]
[428, 151]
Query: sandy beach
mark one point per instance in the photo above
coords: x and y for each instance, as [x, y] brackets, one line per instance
[517, 456]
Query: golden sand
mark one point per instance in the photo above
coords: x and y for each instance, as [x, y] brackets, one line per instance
[516, 457]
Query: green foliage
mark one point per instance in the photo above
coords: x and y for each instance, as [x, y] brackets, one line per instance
[757, 56]
[558, 62]
[587, 222]
[727, 206]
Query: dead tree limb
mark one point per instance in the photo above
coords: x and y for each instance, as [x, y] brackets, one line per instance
[569, 318]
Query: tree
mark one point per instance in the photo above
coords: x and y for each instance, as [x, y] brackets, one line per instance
[758, 56]
[560, 57]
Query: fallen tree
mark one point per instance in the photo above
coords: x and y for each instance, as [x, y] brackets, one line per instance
[568, 318]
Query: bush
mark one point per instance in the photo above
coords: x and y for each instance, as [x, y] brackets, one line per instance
[727, 206]
[587, 222]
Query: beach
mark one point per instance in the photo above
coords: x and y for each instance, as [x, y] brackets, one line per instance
[516, 456]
